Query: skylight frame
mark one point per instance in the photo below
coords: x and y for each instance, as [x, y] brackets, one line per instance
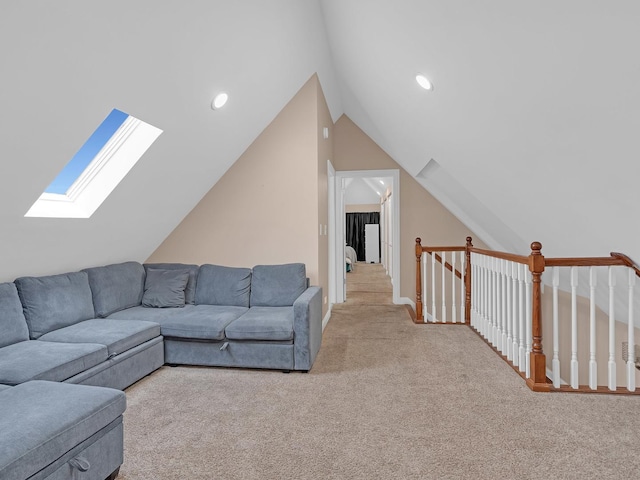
[101, 176]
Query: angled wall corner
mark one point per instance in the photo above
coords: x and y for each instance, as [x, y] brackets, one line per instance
[468, 209]
[421, 214]
[265, 208]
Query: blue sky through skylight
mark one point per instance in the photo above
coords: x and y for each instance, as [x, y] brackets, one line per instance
[87, 152]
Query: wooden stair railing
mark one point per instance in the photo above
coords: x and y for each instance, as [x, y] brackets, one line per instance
[432, 250]
[535, 263]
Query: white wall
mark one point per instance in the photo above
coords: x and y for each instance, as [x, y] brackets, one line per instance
[66, 64]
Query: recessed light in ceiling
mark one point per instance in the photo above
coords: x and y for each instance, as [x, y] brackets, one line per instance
[219, 101]
[424, 82]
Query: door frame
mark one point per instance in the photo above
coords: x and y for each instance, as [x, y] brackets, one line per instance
[337, 274]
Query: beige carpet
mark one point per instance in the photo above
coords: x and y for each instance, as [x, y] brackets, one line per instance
[386, 399]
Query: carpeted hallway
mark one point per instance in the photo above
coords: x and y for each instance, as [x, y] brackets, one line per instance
[386, 399]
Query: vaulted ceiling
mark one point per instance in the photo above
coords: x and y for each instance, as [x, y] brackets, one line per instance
[529, 134]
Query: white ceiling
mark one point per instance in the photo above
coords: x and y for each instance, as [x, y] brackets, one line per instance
[535, 110]
[365, 190]
[533, 118]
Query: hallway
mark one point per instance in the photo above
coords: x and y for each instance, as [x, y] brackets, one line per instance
[369, 284]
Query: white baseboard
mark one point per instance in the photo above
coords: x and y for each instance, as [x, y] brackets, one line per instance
[326, 319]
[405, 301]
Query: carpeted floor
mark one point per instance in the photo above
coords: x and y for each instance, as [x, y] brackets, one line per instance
[386, 399]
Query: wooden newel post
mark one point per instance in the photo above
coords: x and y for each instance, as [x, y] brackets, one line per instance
[419, 315]
[538, 380]
[467, 282]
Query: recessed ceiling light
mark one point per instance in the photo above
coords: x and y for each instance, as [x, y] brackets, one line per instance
[424, 82]
[219, 101]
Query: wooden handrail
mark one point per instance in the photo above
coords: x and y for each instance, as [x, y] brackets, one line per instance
[419, 251]
[448, 266]
[443, 249]
[627, 261]
[536, 264]
[583, 262]
[503, 255]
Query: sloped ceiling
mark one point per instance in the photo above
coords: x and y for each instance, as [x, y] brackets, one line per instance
[363, 191]
[66, 64]
[534, 113]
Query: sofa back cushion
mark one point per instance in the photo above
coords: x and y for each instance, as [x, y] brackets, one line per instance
[277, 285]
[228, 286]
[116, 287]
[55, 301]
[13, 326]
[190, 290]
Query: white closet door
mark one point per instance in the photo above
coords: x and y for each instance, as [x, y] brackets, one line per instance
[372, 243]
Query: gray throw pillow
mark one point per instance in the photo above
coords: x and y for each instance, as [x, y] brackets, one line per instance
[165, 288]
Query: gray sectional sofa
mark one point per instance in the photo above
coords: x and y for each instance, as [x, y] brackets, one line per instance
[110, 326]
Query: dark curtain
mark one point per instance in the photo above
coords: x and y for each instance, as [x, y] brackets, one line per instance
[354, 230]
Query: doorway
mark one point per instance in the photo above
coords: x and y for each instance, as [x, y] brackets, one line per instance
[387, 184]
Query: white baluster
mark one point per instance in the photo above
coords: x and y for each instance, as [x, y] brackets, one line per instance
[527, 354]
[613, 383]
[454, 300]
[425, 288]
[490, 302]
[433, 287]
[593, 366]
[463, 286]
[574, 327]
[514, 311]
[509, 299]
[474, 289]
[521, 317]
[503, 309]
[498, 299]
[497, 339]
[631, 355]
[443, 271]
[487, 299]
[494, 298]
[485, 310]
[555, 363]
[482, 295]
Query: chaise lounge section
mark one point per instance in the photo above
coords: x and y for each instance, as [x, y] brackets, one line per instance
[58, 431]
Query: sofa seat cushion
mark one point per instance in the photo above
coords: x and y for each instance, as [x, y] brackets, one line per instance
[41, 421]
[4, 387]
[197, 322]
[116, 335]
[263, 323]
[55, 301]
[36, 360]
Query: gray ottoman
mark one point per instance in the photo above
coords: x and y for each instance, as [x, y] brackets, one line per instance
[58, 431]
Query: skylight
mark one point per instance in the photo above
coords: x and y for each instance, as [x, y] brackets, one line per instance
[97, 168]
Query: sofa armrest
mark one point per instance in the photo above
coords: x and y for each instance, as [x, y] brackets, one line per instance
[307, 328]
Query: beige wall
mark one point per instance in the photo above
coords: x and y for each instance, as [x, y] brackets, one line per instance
[265, 209]
[268, 207]
[325, 152]
[369, 207]
[421, 215]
